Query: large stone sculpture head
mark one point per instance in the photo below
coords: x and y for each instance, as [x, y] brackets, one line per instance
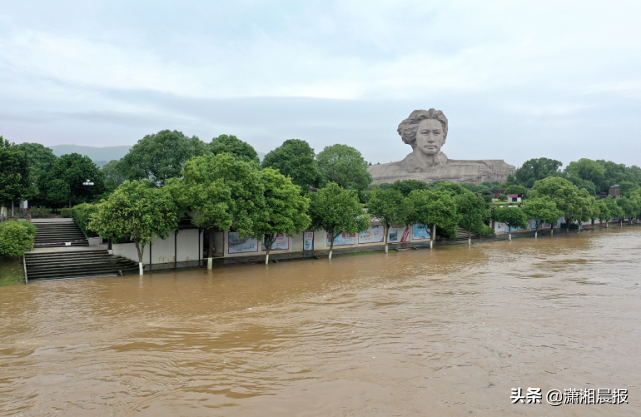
[425, 131]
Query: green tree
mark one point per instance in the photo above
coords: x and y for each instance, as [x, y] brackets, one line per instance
[113, 175]
[68, 178]
[40, 157]
[345, 166]
[600, 211]
[296, 159]
[232, 145]
[160, 156]
[15, 183]
[565, 195]
[542, 210]
[16, 238]
[285, 209]
[407, 186]
[138, 211]
[472, 213]
[41, 161]
[389, 207]
[589, 209]
[619, 173]
[513, 217]
[587, 170]
[224, 192]
[517, 189]
[536, 169]
[452, 188]
[430, 209]
[336, 210]
[614, 209]
[626, 187]
[630, 206]
[488, 185]
[475, 188]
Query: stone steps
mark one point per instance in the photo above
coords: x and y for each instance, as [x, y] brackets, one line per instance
[74, 264]
[57, 233]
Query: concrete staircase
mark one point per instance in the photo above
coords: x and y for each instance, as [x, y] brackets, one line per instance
[74, 263]
[56, 233]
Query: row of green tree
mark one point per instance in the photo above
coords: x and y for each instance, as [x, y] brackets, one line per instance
[31, 171]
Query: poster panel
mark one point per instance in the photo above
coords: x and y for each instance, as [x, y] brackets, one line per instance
[238, 244]
[398, 234]
[281, 242]
[418, 233]
[343, 239]
[308, 240]
[375, 234]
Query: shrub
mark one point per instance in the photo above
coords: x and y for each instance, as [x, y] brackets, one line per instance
[16, 237]
[81, 215]
[66, 212]
[486, 230]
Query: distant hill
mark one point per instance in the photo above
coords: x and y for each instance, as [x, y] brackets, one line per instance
[101, 156]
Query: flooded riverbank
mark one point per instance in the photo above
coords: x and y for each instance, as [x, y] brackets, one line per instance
[447, 332]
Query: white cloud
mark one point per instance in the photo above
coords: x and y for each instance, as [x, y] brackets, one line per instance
[514, 61]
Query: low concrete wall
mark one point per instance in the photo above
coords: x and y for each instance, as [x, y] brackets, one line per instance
[178, 247]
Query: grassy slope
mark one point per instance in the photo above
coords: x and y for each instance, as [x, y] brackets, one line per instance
[11, 271]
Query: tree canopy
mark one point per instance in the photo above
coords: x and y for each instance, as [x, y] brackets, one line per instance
[452, 188]
[285, 209]
[542, 210]
[472, 213]
[407, 186]
[15, 179]
[337, 210]
[113, 174]
[345, 166]
[513, 217]
[160, 156]
[40, 158]
[433, 209]
[536, 169]
[517, 189]
[388, 207]
[566, 197]
[296, 159]
[138, 211]
[223, 192]
[232, 145]
[66, 180]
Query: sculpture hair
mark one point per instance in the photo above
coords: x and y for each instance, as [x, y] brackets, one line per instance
[408, 127]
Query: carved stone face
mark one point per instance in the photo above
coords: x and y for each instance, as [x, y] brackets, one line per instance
[429, 136]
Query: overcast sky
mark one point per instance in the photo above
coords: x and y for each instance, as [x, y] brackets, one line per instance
[516, 79]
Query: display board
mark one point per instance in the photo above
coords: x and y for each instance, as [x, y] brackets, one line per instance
[237, 244]
[281, 242]
[343, 239]
[398, 234]
[308, 240]
[375, 234]
[418, 233]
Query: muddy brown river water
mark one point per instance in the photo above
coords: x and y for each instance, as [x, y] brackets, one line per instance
[447, 332]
